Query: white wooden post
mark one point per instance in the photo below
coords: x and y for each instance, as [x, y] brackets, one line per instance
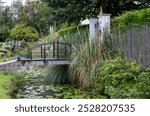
[94, 27]
[104, 23]
[99, 25]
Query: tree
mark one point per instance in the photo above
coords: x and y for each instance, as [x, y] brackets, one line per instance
[24, 32]
[15, 7]
[36, 14]
[4, 33]
[1, 12]
[72, 11]
[7, 17]
[5, 22]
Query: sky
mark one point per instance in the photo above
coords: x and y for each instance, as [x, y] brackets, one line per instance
[8, 2]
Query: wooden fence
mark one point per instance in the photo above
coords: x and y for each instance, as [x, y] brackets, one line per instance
[136, 45]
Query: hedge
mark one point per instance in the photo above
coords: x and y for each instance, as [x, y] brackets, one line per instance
[72, 29]
[135, 18]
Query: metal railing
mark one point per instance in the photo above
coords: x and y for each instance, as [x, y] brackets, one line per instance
[47, 51]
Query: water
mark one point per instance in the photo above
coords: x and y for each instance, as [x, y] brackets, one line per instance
[35, 89]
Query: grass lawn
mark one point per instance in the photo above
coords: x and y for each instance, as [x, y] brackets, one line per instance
[5, 85]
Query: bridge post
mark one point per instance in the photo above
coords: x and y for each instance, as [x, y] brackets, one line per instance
[44, 55]
[53, 49]
[41, 51]
[70, 50]
[30, 54]
[65, 51]
[57, 49]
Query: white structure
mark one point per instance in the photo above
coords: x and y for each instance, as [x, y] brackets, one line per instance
[94, 27]
[99, 25]
[85, 22]
[104, 22]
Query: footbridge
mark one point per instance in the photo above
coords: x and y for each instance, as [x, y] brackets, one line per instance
[52, 53]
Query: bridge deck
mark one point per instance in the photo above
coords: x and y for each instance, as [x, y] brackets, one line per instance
[42, 59]
[15, 65]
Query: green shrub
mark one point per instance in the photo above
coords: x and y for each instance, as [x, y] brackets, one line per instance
[5, 54]
[2, 55]
[118, 78]
[24, 32]
[71, 30]
[1, 43]
[18, 82]
[4, 33]
[4, 51]
[8, 47]
[9, 84]
[71, 92]
[5, 85]
[134, 18]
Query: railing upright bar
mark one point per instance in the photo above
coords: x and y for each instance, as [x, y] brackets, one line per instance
[41, 51]
[53, 49]
[30, 54]
[44, 55]
[65, 50]
[57, 49]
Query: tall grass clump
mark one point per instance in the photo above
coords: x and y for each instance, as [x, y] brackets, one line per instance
[85, 57]
[60, 73]
[57, 74]
[84, 60]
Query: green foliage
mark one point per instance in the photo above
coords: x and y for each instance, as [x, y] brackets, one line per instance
[86, 55]
[36, 14]
[4, 33]
[1, 43]
[29, 72]
[7, 85]
[118, 78]
[70, 92]
[1, 55]
[5, 81]
[47, 39]
[135, 18]
[71, 30]
[7, 47]
[73, 11]
[84, 59]
[57, 74]
[5, 55]
[18, 82]
[4, 51]
[24, 32]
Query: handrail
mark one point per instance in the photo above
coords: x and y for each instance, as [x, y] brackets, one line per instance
[44, 44]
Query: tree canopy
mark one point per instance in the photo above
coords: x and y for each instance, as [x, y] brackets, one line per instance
[6, 22]
[4, 33]
[36, 14]
[72, 11]
[24, 32]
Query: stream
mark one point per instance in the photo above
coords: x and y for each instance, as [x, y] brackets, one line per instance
[35, 89]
